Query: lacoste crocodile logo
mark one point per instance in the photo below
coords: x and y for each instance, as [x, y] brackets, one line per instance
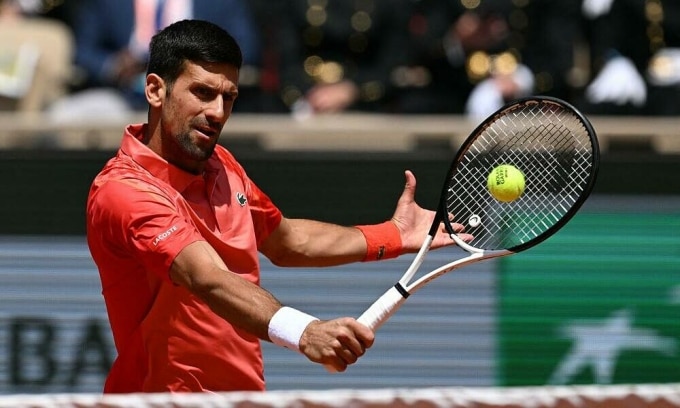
[241, 198]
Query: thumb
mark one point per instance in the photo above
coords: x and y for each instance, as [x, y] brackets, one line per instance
[409, 193]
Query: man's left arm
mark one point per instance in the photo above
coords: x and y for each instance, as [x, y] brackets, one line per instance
[301, 242]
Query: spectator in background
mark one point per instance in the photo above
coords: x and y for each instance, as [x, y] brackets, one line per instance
[481, 56]
[35, 57]
[112, 40]
[636, 57]
[267, 15]
[339, 55]
[538, 57]
[442, 36]
[64, 11]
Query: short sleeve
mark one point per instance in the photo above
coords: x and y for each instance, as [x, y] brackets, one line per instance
[134, 219]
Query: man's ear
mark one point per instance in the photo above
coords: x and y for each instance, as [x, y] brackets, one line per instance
[155, 90]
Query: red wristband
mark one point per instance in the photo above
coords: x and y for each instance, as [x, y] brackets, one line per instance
[383, 241]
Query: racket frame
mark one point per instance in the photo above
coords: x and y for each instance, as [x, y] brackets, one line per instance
[442, 213]
[386, 305]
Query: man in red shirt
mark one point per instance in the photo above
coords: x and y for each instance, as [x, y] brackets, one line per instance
[175, 225]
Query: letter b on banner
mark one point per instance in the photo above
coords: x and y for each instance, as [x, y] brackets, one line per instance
[45, 356]
[31, 357]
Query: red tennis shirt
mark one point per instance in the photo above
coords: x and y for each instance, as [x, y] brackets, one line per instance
[141, 212]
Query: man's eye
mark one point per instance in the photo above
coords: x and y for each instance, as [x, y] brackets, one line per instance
[203, 92]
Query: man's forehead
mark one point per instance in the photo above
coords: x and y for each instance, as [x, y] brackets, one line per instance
[213, 74]
[209, 68]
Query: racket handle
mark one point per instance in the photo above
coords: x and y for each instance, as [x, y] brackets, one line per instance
[382, 309]
[379, 312]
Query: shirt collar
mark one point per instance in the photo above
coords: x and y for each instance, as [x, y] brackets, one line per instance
[156, 165]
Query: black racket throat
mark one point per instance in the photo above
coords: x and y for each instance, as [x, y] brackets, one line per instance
[441, 217]
[400, 288]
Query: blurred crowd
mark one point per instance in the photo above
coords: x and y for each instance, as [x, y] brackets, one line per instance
[71, 58]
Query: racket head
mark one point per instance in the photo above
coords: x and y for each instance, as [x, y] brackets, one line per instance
[552, 144]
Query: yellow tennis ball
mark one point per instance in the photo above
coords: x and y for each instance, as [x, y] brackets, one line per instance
[505, 183]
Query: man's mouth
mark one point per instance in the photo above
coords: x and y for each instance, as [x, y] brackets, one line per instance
[208, 132]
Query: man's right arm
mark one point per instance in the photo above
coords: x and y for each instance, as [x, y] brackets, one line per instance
[337, 342]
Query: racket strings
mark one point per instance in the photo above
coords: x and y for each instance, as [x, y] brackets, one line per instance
[554, 150]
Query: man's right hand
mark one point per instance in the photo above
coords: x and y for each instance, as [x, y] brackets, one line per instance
[336, 343]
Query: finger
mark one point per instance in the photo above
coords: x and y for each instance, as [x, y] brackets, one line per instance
[410, 187]
[466, 237]
[364, 335]
[338, 358]
[458, 228]
[354, 346]
[348, 356]
[337, 366]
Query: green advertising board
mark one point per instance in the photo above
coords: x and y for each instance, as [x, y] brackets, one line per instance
[598, 303]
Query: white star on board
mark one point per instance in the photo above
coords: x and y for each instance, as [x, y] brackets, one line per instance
[599, 343]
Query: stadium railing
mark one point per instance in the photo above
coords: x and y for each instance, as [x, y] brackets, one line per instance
[348, 132]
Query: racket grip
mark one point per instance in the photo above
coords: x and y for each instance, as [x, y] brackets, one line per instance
[379, 312]
[382, 309]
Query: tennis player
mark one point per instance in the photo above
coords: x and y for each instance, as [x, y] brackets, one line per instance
[175, 225]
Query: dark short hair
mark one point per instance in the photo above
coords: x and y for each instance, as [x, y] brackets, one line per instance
[190, 40]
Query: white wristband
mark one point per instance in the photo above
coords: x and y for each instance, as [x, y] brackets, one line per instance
[286, 327]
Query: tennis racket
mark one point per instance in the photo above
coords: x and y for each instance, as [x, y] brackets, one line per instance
[556, 149]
